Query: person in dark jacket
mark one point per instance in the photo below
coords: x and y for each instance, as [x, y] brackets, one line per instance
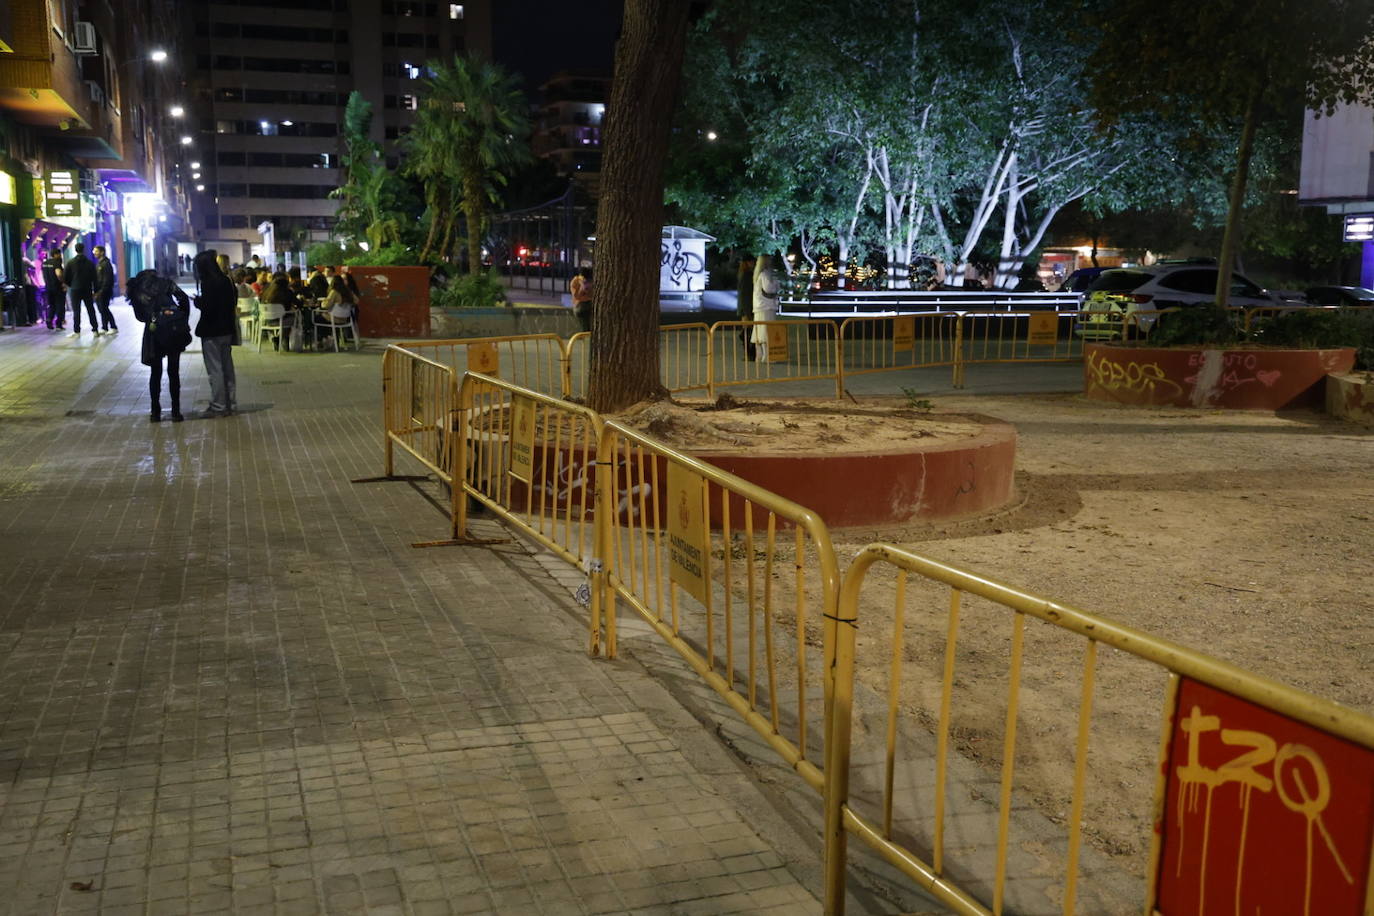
[218, 302]
[104, 289]
[166, 315]
[54, 295]
[79, 276]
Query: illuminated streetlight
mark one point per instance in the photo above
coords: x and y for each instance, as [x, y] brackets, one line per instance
[287, 123]
[195, 175]
[200, 187]
[710, 135]
[177, 111]
[158, 56]
[195, 165]
[185, 141]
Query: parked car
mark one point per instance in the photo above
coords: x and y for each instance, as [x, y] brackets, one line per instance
[1340, 295]
[1080, 280]
[1122, 291]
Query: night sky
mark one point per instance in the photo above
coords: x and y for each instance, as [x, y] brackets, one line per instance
[539, 38]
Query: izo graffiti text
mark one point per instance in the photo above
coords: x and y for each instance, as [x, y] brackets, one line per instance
[1263, 814]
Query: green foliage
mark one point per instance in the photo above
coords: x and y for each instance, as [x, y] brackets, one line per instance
[468, 137]
[1201, 325]
[390, 256]
[914, 401]
[372, 200]
[324, 253]
[1325, 329]
[482, 290]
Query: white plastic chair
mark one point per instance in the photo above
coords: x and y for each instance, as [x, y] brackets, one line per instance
[337, 320]
[272, 323]
[247, 311]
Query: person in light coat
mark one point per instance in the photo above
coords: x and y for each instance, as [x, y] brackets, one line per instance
[765, 302]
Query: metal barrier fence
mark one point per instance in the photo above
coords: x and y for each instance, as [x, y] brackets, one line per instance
[884, 344]
[694, 551]
[1180, 665]
[749, 352]
[531, 459]
[534, 361]
[418, 400]
[1005, 337]
[685, 357]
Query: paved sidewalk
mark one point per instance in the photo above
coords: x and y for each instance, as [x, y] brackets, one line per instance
[230, 684]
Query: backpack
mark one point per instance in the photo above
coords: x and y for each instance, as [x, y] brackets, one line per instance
[171, 327]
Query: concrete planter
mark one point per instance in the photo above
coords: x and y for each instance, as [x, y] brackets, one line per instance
[958, 479]
[1246, 379]
[450, 324]
[1351, 397]
[394, 301]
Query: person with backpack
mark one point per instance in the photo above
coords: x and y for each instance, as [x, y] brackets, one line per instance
[166, 315]
[218, 331]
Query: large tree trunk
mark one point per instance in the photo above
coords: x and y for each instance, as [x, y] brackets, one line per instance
[474, 208]
[1230, 239]
[648, 68]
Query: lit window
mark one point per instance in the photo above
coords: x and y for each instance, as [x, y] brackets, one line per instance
[409, 102]
[455, 11]
[411, 71]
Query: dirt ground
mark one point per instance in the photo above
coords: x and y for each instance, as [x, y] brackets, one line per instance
[1243, 534]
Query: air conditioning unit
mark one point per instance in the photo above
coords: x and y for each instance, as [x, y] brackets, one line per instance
[83, 39]
[96, 92]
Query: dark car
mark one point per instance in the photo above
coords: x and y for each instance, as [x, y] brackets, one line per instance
[1080, 280]
[1340, 295]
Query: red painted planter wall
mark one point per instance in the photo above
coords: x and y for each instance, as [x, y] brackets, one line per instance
[395, 301]
[1238, 379]
[962, 478]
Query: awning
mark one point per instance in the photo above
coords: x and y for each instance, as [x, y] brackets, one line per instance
[46, 233]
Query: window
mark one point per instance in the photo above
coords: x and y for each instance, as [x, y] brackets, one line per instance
[388, 101]
[233, 222]
[410, 71]
[1191, 281]
[409, 103]
[231, 158]
[455, 11]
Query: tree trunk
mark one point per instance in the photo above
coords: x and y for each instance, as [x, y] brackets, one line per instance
[1230, 239]
[475, 210]
[648, 69]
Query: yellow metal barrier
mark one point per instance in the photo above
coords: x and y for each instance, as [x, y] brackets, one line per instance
[576, 365]
[1007, 337]
[786, 351]
[877, 831]
[695, 552]
[870, 343]
[685, 357]
[418, 402]
[534, 361]
[531, 459]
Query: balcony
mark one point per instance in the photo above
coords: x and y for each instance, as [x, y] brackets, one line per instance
[40, 81]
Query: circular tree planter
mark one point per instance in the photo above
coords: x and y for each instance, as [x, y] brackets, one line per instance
[846, 484]
[1245, 379]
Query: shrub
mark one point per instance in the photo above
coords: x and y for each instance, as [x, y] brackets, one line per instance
[472, 291]
[390, 256]
[324, 253]
[1199, 326]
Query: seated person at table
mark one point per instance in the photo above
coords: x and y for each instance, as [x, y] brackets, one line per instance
[261, 281]
[247, 299]
[339, 300]
[279, 292]
[318, 284]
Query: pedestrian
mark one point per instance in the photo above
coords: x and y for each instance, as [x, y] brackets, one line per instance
[317, 283]
[254, 264]
[765, 303]
[104, 289]
[166, 315]
[54, 293]
[744, 304]
[79, 276]
[581, 289]
[222, 261]
[217, 330]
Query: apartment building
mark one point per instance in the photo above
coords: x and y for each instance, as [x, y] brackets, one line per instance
[569, 122]
[272, 79]
[92, 111]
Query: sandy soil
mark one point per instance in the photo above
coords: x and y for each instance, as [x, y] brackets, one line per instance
[1246, 535]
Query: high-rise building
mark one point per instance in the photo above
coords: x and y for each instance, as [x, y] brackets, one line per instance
[569, 123]
[272, 79]
[92, 117]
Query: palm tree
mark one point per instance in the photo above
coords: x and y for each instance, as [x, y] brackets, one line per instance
[469, 134]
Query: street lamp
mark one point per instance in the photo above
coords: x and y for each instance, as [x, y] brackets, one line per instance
[195, 165]
[177, 111]
[200, 187]
[157, 55]
[185, 141]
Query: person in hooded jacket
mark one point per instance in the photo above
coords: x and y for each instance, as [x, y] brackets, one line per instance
[166, 315]
[217, 327]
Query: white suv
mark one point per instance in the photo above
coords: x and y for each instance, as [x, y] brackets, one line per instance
[1119, 292]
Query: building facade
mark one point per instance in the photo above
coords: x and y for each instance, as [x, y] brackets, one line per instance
[92, 124]
[1338, 174]
[568, 125]
[272, 79]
